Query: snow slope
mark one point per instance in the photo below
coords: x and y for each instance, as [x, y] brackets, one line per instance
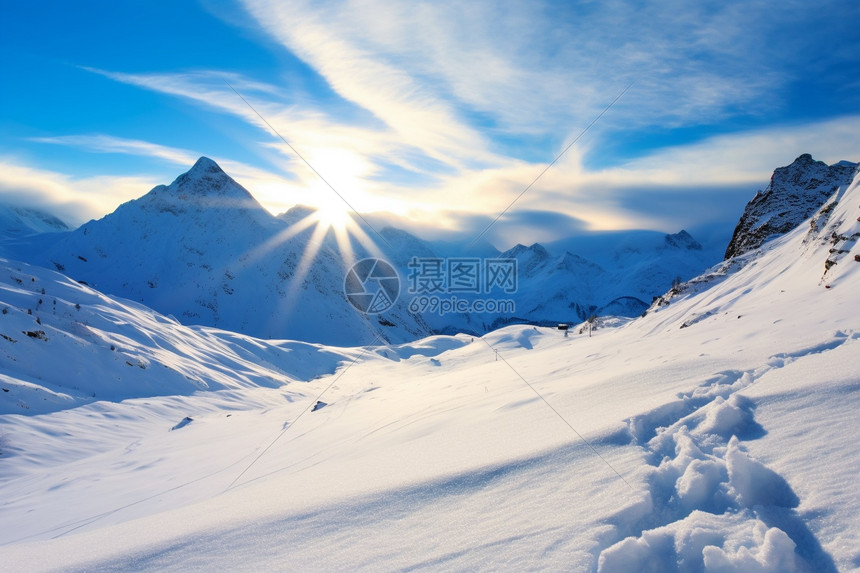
[716, 433]
[65, 345]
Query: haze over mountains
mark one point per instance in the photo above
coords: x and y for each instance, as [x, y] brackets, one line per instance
[203, 250]
[16, 222]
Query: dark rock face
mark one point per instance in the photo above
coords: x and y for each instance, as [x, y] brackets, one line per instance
[795, 192]
[683, 240]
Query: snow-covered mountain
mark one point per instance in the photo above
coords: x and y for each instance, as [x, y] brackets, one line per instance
[716, 433]
[570, 287]
[556, 284]
[202, 249]
[795, 192]
[16, 222]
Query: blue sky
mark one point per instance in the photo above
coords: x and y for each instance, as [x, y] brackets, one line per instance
[438, 113]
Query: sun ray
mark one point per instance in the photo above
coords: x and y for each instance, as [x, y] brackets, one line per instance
[330, 227]
[342, 238]
[308, 256]
[367, 242]
[287, 305]
[281, 237]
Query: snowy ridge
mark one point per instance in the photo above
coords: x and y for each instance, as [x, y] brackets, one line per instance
[695, 443]
[64, 345]
[795, 192]
[570, 288]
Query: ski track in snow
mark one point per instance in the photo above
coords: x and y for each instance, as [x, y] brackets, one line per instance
[698, 464]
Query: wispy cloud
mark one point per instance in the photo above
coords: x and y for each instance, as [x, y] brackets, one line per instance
[683, 186]
[446, 76]
[531, 67]
[349, 154]
[676, 187]
[740, 157]
[103, 143]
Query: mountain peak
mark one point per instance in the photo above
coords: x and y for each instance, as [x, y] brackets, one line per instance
[528, 258]
[204, 170]
[683, 240]
[207, 180]
[535, 250]
[297, 213]
[205, 165]
[206, 191]
[795, 192]
[572, 262]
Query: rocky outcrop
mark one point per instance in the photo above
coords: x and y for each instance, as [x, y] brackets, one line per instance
[795, 192]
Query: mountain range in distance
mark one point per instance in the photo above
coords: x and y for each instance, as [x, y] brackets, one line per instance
[203, 250]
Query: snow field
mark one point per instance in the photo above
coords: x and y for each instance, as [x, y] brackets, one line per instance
[730, 414]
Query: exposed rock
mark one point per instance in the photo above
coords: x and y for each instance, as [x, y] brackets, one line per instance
[795, 192]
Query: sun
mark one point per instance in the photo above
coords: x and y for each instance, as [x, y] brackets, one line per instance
[333, 216]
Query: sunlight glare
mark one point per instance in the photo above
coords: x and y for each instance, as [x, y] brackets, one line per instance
[333, 216]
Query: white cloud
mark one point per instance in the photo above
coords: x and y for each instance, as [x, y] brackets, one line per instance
[338, 43]
[721, 172]
[74, 200]
[448, 77]
[310, 132]
[684, 186]
[444, 79]
[206, 86]
[743, 157]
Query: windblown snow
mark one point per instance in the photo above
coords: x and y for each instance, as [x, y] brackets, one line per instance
[716, 433]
